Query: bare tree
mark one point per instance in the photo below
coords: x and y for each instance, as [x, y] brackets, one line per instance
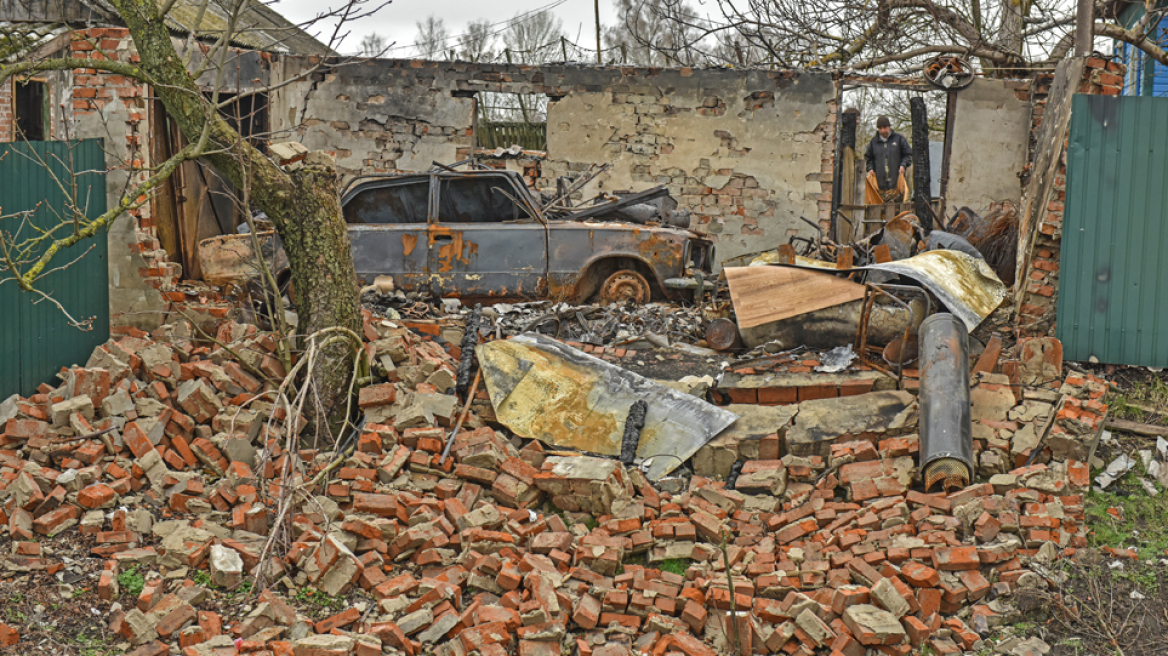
[374, 45]
[303, 204]
[432, 37]
[530, 38]
[1002, 37]
[477, 44]
[534, 38]
[659, 33]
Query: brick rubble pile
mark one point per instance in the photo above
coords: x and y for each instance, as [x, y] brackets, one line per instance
[506, 547]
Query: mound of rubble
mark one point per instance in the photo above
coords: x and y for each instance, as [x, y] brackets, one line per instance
[161, 454]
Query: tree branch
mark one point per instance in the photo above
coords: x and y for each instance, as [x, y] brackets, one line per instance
[1136, 39]
[67, 63]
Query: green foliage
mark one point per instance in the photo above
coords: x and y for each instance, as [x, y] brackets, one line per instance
[675, 565]
[93, 645]
[131, 581]
[315, 597]
[202, 577]
[243, 589]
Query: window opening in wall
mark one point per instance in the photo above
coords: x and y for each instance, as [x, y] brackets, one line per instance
[508, 119]
[31, 110]
[249, 115]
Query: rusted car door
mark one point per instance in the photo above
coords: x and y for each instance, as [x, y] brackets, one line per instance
[388, 222]
[574, 247]
[486, 242]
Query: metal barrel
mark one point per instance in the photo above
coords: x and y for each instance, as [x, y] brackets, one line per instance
[946, 431]
[722, 335]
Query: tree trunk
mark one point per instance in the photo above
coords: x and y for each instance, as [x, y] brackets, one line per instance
[304, 206]
[1010, 30]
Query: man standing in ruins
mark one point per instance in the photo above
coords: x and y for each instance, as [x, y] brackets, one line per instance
[888, 156]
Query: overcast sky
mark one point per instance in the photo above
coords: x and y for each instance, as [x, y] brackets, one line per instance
[397, 21]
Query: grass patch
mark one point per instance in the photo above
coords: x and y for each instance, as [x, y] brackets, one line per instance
[1141, 402]
[1143, 520]
[674, 565]
[1143, 578]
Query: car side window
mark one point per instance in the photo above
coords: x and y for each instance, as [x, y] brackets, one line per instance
[483, 199]
[393, 204]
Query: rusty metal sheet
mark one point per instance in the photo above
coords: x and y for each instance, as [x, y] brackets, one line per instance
[545, 390]
[768, 258]
[965, 284]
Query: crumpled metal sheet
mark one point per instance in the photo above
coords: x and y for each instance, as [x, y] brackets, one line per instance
[772, 257]
[546, 390]
[967, 286]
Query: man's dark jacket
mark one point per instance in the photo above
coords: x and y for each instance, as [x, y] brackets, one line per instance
[886, 158]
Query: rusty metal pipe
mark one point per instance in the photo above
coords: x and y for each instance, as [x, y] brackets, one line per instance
[945, 424]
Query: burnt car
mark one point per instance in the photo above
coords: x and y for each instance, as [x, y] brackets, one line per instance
[484, 235]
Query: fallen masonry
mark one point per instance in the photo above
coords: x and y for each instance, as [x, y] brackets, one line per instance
[164, 455]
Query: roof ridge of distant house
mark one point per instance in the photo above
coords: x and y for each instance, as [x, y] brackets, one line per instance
[259, 28]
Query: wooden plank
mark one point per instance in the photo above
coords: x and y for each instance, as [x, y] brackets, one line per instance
[1148, 430]
[1048, 149]
[764, 294]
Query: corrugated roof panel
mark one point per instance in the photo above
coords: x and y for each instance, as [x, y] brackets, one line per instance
[35, 338]
[1113, 278]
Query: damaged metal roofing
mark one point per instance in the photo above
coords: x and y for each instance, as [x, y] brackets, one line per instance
[545, 390]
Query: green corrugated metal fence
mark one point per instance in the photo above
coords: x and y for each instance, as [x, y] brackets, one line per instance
[1113, 273]
[35, 338]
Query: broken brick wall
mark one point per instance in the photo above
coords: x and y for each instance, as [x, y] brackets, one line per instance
[1039, 286]
[748, 152]
[115, 108]
[6, 112]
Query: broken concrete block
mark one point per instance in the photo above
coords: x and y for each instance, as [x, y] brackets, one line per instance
[226, 567]
[288, 152]
[873, 626]
[59, 413]
[324, 645]
[822, 422]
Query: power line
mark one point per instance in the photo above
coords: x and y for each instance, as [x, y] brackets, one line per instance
[506, 25]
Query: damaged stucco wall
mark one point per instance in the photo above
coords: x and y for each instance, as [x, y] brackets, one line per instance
[990, 144]
[376, 116]
[748, 152]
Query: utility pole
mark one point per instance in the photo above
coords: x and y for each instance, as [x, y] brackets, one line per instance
[596, 3]
[1084, 28]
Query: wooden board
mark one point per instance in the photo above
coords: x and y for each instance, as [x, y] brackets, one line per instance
[763, 294]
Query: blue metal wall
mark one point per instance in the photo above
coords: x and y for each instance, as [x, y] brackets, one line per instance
[35, 338]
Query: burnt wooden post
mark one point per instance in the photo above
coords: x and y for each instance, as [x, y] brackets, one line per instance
[920, 148]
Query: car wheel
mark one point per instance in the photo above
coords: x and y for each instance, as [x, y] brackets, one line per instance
[624, 285]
